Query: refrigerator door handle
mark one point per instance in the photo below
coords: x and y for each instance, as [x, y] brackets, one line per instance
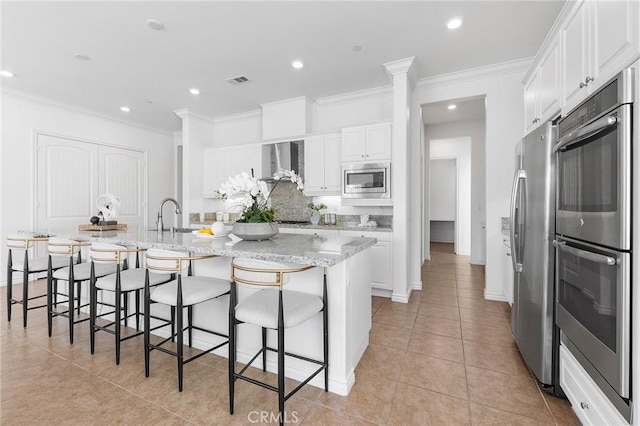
[587, 255]
[515, 192]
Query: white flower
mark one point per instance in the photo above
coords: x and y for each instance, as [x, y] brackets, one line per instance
[293, 177]
[253, 194]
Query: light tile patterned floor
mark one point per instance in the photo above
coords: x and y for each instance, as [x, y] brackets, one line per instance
[445, 358]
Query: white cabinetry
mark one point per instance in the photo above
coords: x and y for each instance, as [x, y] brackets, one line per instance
[380, 258]
[367, 143]
[588, 402]
[599, 38]
[322, 165]
[541, 92]
[220, 163]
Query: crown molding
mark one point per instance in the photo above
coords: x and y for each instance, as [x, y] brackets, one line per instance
[238, 116]
[75, 108]
[284, 101]
[186, 112]
[473, 74]
[404, 66]
[358, 95]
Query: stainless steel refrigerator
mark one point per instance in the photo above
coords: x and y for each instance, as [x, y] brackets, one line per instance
[532, 234]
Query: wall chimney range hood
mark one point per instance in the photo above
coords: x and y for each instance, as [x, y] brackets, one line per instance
[283, 156]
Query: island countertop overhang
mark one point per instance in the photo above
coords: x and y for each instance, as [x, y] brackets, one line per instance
[291, 248]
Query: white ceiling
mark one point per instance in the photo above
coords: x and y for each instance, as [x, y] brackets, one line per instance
[466, 110]
[204, 43]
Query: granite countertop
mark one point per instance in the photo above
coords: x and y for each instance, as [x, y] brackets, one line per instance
[294, 248]
[342, 227]
[505, 223]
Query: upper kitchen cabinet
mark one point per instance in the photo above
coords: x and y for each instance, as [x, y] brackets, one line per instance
[367, 143]
[220, 163]
[599, 38]
[322, 165]
[541, 91]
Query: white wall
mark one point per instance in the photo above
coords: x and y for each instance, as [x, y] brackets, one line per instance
[23, 114]
[442, 189]
[460, 149]
[352, 109]
[476, 130]
[501, 84]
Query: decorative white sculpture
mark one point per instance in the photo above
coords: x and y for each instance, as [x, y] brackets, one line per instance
[108, 204]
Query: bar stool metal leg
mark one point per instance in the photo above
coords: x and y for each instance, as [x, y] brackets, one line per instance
[25, 289]
[9, 285]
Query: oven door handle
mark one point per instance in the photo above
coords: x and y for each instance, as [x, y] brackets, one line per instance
[584, 132]
[593, 257]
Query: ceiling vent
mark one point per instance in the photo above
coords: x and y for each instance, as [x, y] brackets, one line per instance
[238, 80]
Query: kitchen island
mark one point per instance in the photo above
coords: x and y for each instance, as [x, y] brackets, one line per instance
[345, 261]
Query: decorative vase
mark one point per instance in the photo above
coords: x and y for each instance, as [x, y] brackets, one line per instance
[315, 217]
[255, 231]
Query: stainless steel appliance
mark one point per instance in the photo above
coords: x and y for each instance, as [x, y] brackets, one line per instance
[594, 167]
[532, 232]
[366, 180]
[282, 156]
[593, 243]
[593, 306]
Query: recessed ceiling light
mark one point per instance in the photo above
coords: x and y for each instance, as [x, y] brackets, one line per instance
[297, 64]
[356, 48]
[194, 91]
[454, 23]
[6, 73]
[125, 109]
[81, 56]
[155, 25]
[451, 107]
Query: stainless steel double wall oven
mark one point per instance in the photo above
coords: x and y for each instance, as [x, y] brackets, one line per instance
[593, 235]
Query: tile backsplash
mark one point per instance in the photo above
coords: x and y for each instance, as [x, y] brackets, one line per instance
[290, 203]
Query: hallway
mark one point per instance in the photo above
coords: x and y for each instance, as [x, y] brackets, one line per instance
[445, 358]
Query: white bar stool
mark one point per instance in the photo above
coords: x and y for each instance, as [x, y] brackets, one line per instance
[276, 309]
[184, 291]
[27, 265]
[75, 273]
[124, 282]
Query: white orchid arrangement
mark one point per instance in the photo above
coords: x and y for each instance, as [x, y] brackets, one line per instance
[253, 195]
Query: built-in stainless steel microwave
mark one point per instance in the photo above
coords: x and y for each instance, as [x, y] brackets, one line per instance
[366, 180]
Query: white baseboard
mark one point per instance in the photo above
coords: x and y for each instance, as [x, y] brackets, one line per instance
[500, 297]
[417, 286]
[476, 262]
[401, 298]
[381, 292]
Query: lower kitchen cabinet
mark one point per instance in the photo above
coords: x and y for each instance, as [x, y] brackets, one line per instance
[587, 400]
[380, 258]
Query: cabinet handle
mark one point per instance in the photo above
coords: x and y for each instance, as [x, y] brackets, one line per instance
[584, 405]
[508, 254]
[586, 82]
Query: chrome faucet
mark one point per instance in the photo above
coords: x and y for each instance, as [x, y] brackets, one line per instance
[159, 222]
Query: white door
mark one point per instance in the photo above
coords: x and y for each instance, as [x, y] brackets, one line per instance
[121, 173]
[71, 174]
